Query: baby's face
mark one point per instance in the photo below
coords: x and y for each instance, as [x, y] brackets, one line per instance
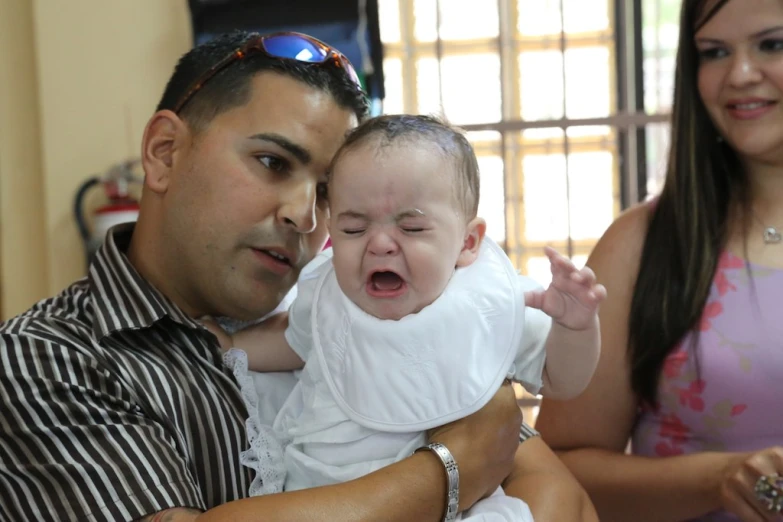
[395, 225]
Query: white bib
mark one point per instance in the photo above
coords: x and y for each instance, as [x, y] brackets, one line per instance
[429, 368]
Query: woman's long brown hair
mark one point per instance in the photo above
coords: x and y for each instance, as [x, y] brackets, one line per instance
[689, 224]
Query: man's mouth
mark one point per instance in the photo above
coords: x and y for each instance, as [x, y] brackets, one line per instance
[276, 255]
[275, 261]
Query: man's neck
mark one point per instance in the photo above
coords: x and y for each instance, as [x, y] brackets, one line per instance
[147, 257]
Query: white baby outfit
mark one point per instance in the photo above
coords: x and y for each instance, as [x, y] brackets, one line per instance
[371, 388]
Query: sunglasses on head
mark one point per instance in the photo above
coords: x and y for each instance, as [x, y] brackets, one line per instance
[286, 46]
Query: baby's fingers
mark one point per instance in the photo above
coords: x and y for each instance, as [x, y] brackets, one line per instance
[597, 293]
[585, 276]
[558, 262]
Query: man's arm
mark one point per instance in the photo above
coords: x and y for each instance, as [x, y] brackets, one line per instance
[538, 477]
[414, 489]
[483, 444]
[542, 480]
[75, 443]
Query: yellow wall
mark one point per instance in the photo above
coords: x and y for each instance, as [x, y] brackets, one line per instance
[23, 254]
[92, 72]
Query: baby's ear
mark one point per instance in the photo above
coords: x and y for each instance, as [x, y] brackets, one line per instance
[474, 235]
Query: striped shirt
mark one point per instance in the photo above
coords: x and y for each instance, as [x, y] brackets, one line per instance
[115, 404]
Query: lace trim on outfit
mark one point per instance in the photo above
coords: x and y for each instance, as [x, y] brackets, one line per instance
[265, 451]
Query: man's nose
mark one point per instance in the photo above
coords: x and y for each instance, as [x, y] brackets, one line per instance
[298, 207]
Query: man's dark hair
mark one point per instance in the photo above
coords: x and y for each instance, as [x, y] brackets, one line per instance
[423, 131]
[230, 87]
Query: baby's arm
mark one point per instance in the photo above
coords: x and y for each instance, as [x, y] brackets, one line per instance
[574, 342]
[571, 359]
[265, 344]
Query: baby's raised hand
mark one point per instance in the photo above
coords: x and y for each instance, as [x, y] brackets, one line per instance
[572, 298]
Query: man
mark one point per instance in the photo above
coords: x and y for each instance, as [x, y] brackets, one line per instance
[115, 402]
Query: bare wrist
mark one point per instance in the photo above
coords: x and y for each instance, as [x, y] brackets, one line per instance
[595, 325]
[725, 464]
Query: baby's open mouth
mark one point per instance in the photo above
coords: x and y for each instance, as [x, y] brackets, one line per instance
[386, 281]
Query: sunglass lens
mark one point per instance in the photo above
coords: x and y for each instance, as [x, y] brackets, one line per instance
[295, 47]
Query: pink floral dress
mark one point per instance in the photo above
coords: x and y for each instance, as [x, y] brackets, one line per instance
[735, 401]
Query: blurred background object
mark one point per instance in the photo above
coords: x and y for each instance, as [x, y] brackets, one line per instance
[121, 189]
[352, 26]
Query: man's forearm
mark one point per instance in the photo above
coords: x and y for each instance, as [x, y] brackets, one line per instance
[571, 359]
[413, 489]
[542, 480]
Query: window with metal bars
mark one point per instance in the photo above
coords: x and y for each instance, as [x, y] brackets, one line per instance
[565, 101]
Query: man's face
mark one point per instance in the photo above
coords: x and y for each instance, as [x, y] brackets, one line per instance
[244, 210]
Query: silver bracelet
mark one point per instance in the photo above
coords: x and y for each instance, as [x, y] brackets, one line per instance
[452, 475]
[526, 432]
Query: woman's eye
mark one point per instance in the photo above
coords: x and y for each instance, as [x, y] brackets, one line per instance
[353, 231]
[413, 229]
[712, 54]
[772, 45]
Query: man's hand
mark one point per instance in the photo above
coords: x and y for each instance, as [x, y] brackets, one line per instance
[484, 445]
[572, 298]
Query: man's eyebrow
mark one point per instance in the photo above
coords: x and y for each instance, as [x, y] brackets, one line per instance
[297, 151]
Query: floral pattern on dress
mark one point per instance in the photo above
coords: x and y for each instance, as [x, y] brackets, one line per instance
[706, 410]
[732, 402]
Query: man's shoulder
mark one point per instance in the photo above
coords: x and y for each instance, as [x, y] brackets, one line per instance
[64, 314]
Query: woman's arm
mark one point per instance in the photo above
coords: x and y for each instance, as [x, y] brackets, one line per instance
[628, 487]
[591, 432]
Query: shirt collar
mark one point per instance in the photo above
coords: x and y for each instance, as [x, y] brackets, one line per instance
[122, 298]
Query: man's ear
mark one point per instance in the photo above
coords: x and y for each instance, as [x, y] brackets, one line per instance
[474, 235]
[164, 137]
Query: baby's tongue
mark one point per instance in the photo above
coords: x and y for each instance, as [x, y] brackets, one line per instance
[386, 281]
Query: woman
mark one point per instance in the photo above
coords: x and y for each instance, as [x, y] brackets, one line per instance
[691, 371]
